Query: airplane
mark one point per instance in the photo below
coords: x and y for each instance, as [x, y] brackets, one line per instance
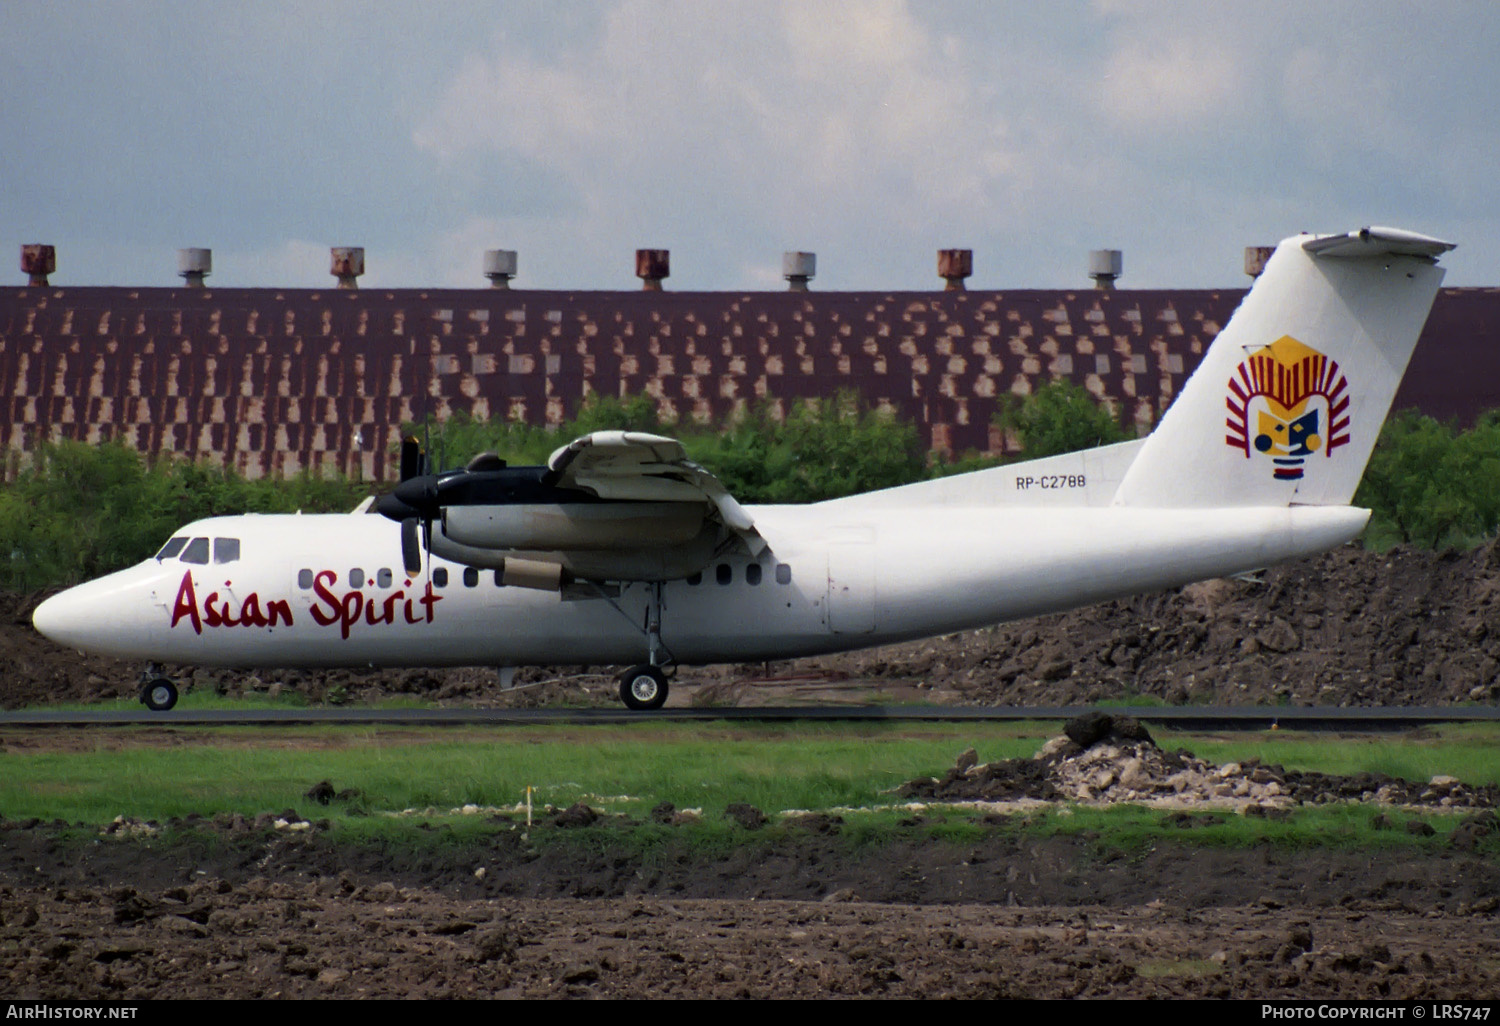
[622, 551]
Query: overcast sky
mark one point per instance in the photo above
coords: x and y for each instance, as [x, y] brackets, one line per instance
[872, 133]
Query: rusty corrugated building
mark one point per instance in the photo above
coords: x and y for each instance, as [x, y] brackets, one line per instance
[273, 381]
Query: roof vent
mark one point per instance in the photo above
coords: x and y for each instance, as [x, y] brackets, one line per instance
[954, 265]
[652, 266]
[499, 267]
[193, 265]
[1105, 266]
[1255, 259]
[347, 264]
[38, 261]
[798, 269]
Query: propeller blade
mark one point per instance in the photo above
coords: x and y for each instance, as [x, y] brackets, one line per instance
[411, 458]
[427, 544]
[411, 556]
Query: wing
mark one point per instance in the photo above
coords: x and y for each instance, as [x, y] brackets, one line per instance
[633, 465]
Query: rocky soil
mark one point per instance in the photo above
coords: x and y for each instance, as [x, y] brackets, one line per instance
[1348, 628]
[1102, 759]
[303, 934]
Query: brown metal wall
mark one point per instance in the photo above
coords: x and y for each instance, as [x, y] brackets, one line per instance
[275, 381]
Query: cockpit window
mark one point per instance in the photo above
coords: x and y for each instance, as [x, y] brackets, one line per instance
[226, 550]
[171, 548]
[196, 551]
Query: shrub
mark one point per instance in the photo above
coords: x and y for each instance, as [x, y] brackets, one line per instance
[1059, 417]
[78, 511]
[1432, 485]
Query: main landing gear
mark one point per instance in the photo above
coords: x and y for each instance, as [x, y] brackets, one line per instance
[158, 693]
[644, 687]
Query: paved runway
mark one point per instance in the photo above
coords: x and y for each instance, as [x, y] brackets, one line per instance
[1184, 717]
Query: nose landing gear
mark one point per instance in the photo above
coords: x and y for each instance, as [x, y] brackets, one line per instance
[158, 693]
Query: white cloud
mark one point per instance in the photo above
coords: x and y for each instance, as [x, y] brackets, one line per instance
[1178, 82]
[292, 263]
[797, 121]
[871, 132]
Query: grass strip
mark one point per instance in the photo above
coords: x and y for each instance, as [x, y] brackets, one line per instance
[404, 777]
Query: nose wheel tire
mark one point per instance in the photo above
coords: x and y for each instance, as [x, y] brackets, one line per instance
[643, 688]
[159, 695]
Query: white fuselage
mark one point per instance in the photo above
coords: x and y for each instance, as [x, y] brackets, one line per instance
[855, 575]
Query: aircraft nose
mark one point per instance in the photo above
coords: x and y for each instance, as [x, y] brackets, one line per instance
[115, 615]
[59, 618]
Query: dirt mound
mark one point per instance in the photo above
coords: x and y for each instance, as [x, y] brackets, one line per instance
[1348, 628]
[1107, 759]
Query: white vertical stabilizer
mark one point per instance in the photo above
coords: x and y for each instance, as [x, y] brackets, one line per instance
[1289, 400]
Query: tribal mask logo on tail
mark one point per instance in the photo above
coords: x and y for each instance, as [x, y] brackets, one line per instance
[1287, 402]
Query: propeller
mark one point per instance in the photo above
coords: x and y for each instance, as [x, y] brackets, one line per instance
[414, 503]
[412, 458]
[421, 496]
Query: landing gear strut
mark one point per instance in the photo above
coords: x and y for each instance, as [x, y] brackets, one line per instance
[158, 693]
[644, 687]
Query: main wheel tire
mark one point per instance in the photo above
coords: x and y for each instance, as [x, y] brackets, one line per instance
[643, 688]
[159, 695]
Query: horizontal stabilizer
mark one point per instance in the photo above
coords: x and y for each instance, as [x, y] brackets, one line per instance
[1377, 241]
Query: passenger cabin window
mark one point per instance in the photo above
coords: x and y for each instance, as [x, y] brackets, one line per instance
[440, 577]
[695, 580]
[752, 574]
[783, 573]
[226, 550]
[196, 551]
[304, 579]
[171, 548]
[471, 577]
[383, 578]
[724, 573]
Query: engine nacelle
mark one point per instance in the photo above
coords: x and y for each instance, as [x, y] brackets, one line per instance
[663, 563]
[575, 526]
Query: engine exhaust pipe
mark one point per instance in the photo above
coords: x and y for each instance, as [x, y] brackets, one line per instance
[518, 573]
[534, 573]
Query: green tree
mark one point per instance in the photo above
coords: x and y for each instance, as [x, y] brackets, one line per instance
[78, 511]
[824, 449]
[1059, 417]
[452, 443]
[1430, 484]
[600, 412]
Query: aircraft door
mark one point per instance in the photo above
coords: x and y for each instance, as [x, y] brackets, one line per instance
[851, 587]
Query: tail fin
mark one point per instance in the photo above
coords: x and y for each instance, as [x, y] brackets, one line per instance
[1289, 399]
